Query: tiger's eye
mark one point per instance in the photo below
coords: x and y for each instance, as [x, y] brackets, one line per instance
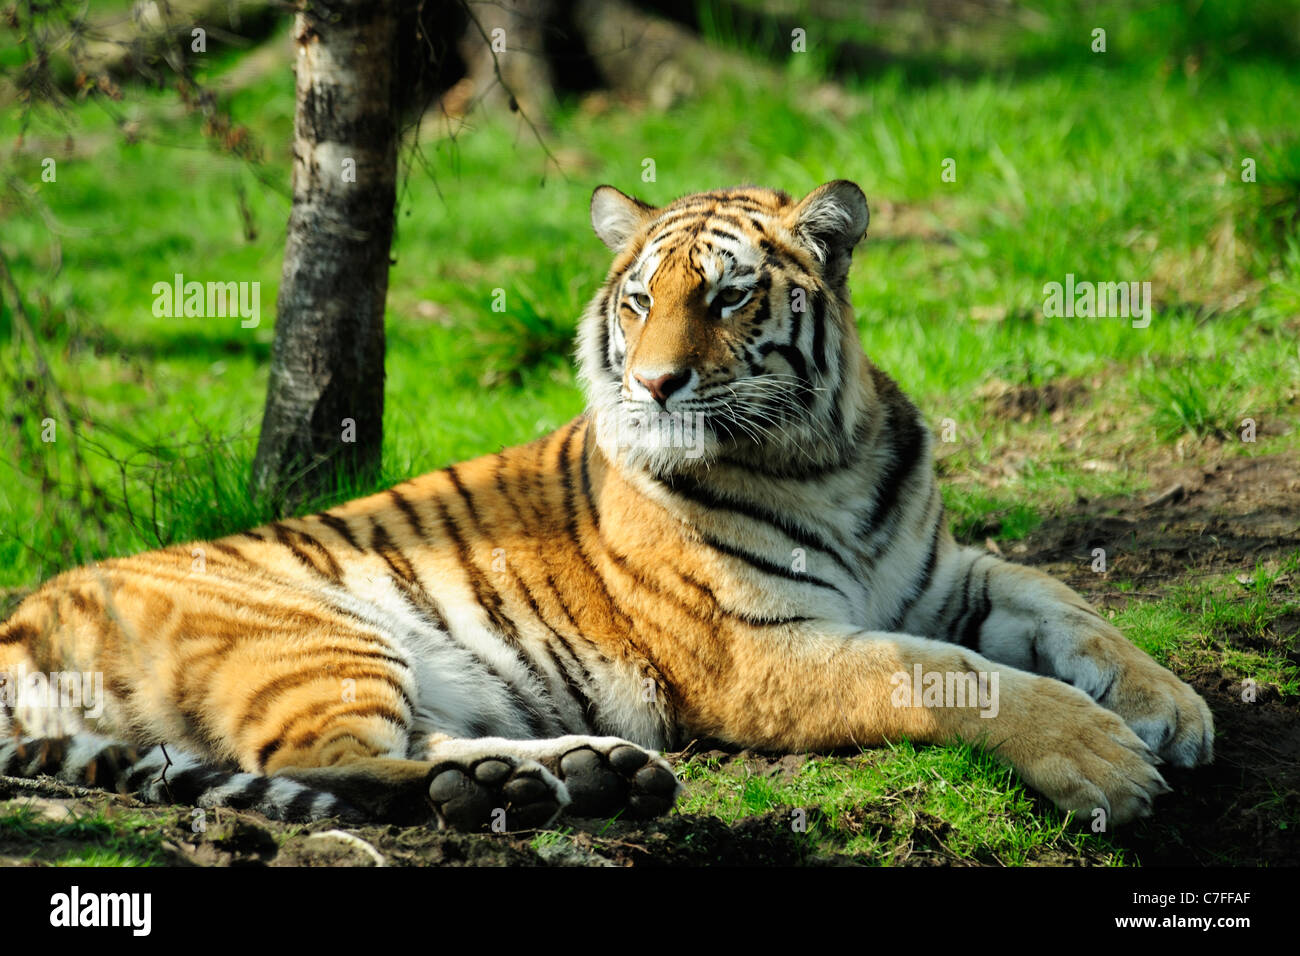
[641, 301]
[731, 296]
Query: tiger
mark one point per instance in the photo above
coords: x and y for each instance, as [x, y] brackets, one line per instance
[741, 539]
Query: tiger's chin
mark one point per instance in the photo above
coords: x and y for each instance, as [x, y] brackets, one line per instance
[644, 437]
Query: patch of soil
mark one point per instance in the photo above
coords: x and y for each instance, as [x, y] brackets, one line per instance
[690, 840]
[1202, 521]
[235, 838]
[1242, 809]
[1024, 402]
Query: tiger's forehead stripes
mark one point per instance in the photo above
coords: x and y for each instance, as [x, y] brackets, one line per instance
[644, 269]
[712, 244]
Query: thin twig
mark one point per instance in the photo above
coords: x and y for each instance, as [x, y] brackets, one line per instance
[516, 106]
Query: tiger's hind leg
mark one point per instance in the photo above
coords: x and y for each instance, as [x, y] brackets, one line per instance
[601, 776]
[477, 791]
[362, 758]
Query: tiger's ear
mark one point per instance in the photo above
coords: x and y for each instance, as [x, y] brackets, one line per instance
[830, 221]
[616, 217]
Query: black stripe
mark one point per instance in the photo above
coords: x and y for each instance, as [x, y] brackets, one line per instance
[140, 775]
[421, 603]
[819, 332]
[607, 341]
[584, 674]
[18, 634]
[499, 479]
[922, 584]
[566, 483]
[764, 310]
[267, 751]
[743, 618]
[188, 785]
[408, 510]
[907, 438]
[796, 325]
[364, 654]
[382, 543]
[769, 567]
[970, 634]
[299, 808]
[339, 527]
[300, 540]
[726, 218]
[586, 482]
[267, 693]
[964, 608]
[329, 718]
[484, 593]
[251, 795]
[945, 618]
[13, 766]
[575, 692]
[691, 489]
[796, 360]
[785, 258]
[332, 566]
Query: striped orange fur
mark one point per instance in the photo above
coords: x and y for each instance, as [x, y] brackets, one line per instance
[740, 539]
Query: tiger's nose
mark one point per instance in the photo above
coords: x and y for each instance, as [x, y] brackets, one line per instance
[663, 386]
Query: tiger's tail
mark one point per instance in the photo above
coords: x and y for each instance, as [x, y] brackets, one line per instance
[165, 775]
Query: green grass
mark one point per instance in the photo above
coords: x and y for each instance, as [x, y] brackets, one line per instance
[891, 803]
[974, 515]
[1191, 400]
[548, 840]
[95, 838]
[1245, 626]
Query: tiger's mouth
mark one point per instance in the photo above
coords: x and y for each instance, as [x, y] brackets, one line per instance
[750, 415]
[645, 428]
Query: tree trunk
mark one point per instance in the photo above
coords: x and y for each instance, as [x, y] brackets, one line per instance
[323, 427]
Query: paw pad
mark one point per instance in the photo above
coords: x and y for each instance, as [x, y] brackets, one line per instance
[471, 798]
[601, 784]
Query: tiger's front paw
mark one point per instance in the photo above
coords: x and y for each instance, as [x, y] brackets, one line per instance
[1080, 755]
[1164, 711]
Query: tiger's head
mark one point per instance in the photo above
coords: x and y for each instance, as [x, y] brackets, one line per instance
[723, 330]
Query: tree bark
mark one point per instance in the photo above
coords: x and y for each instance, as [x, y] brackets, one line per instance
[323, 426]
